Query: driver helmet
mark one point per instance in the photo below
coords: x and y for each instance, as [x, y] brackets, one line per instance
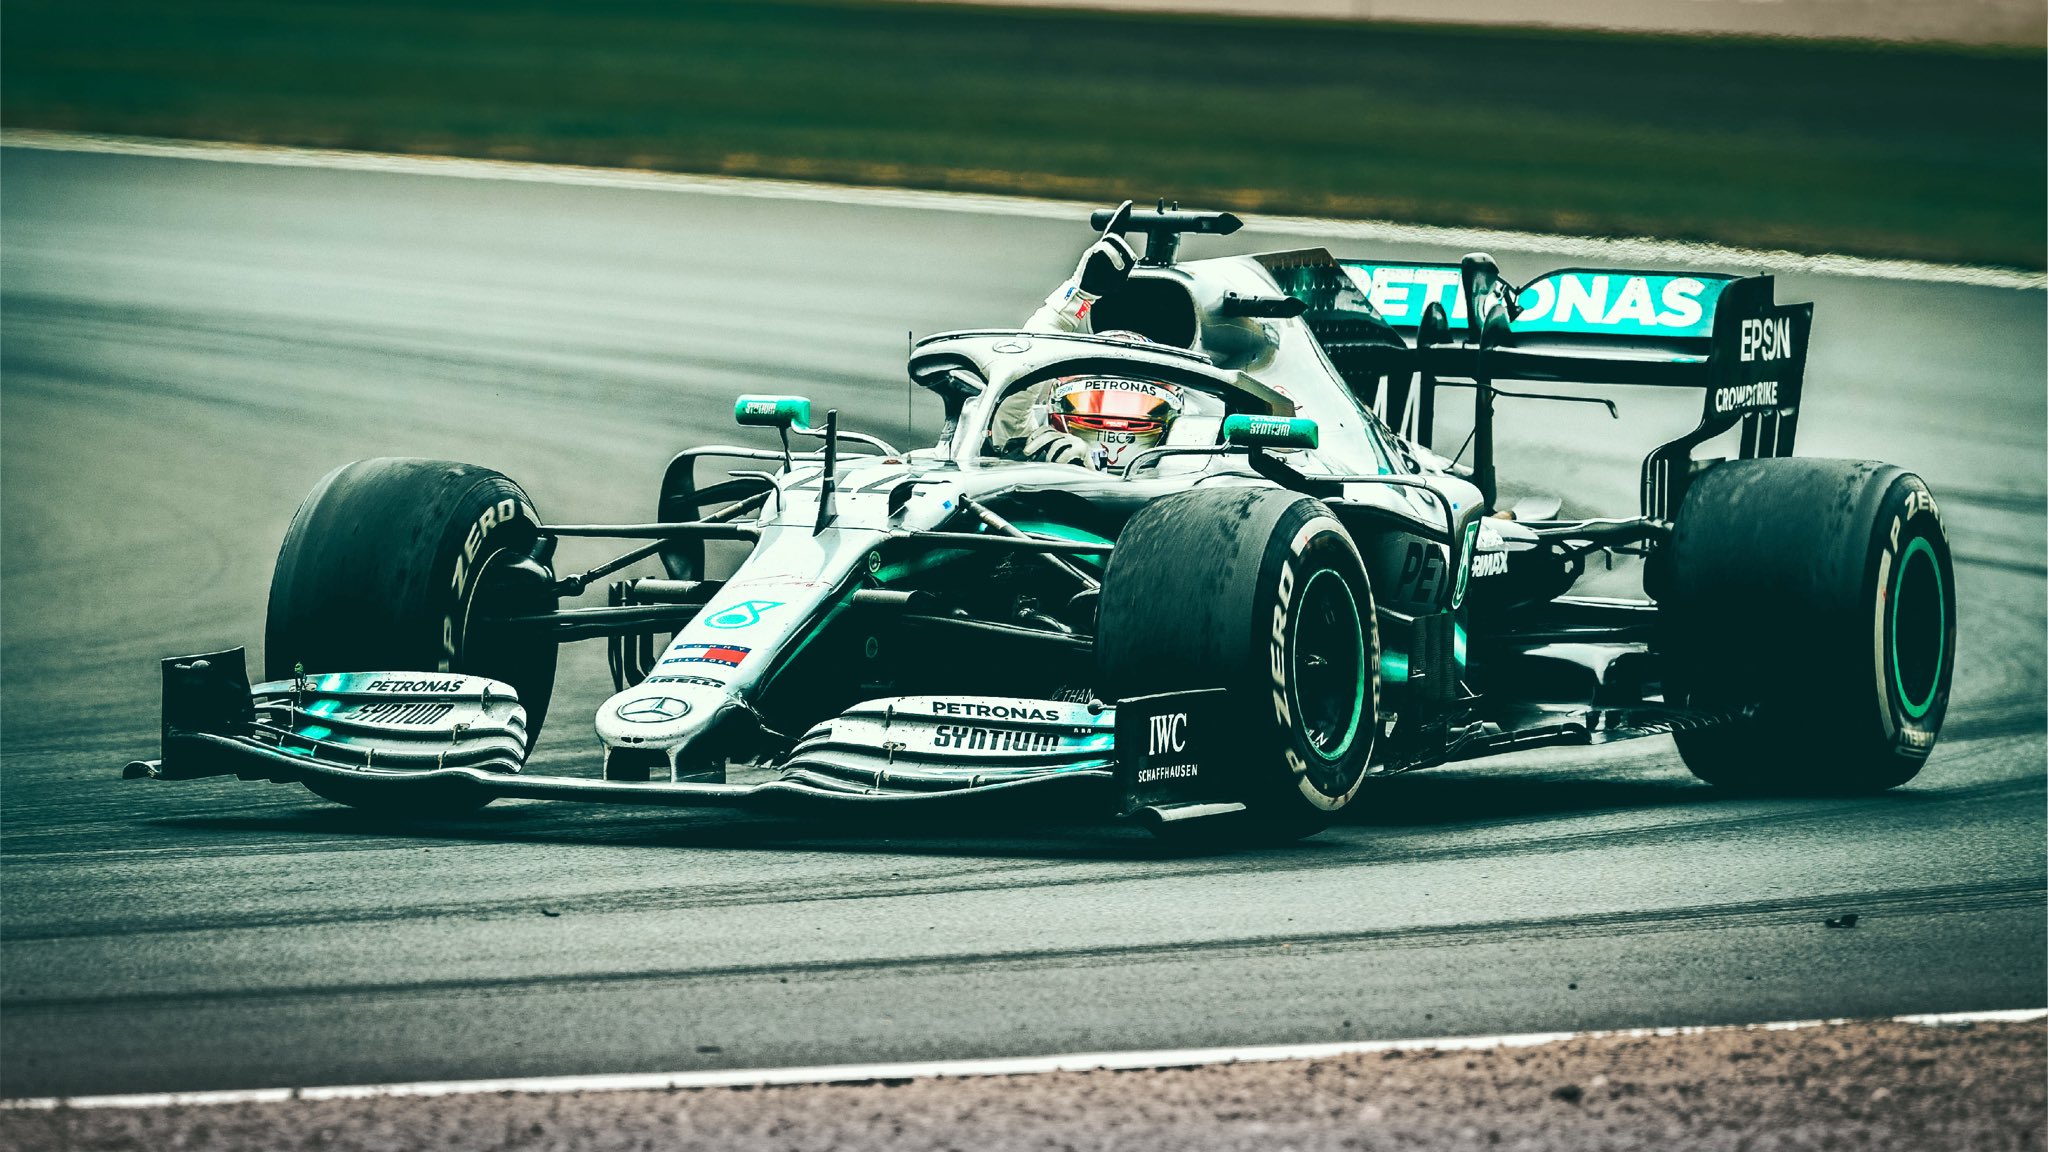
[1115, 416]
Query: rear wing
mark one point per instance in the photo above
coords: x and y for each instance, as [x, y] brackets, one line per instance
[1409, 327]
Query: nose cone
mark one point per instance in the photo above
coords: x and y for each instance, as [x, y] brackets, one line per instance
[663, 715]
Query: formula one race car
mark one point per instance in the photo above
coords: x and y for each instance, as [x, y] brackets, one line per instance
[1204, 570]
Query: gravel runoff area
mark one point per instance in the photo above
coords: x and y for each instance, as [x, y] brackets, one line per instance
[1856, 1085]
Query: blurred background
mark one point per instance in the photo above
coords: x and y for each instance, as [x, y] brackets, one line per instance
[1874, 127]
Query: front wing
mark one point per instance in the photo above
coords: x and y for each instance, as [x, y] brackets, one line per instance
[412, 733]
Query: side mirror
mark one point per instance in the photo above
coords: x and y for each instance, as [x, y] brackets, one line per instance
[1243, 431]
[772, 411]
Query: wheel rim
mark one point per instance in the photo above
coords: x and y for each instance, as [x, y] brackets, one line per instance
[487, 648]
[1328, 673]
[1919, 628]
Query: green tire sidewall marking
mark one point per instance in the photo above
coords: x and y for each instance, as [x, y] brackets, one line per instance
[1919, 546]
[1358, 693]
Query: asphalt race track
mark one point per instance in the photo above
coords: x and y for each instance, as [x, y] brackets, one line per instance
[189, 345]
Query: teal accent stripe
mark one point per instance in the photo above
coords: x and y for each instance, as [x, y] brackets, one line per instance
[1394, 667]
[918, 562]
[323, 707]
[1066, 532]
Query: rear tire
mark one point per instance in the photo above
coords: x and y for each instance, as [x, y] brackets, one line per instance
[1260, 592]
[392, 565]
[1821, 594]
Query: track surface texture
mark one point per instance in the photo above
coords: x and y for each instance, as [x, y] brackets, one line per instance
[189, 346]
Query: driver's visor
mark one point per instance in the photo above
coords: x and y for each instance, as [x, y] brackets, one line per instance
[1137, 425]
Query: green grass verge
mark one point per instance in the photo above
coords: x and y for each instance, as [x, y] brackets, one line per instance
[1926, 153]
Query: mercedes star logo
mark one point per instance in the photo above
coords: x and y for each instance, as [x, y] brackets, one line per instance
[653, 709]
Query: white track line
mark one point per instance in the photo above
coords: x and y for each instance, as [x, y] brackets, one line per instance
[1636, 251]
[1012, 1066]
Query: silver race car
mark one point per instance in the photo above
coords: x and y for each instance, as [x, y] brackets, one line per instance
[1184, 552]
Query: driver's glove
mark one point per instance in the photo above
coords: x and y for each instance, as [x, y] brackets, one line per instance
[1056, 447]
[1103, 269]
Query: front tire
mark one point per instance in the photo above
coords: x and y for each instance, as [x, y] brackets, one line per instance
[394, 565]
[1821, 595]
[1260, 592]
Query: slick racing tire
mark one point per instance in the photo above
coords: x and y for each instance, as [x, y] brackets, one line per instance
[1819, 596]
[1259, 592]
[394, 565]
